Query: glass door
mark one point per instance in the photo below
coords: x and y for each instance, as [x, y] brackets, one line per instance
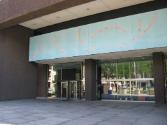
[64, 90]
[73, 90]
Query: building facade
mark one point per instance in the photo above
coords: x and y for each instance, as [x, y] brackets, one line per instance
[98, 49]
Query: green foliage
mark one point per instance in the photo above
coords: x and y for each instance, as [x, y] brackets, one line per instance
[144, 68]
[108, 70]
[127, 69]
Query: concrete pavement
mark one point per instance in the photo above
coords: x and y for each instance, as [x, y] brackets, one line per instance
[54, 112]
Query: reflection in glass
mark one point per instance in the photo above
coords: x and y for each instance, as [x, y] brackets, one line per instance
[128, 80]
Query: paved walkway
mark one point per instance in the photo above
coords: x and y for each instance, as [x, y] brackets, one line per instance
[52, 112]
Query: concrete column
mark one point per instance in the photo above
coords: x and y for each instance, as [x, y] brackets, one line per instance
[42, 82]
[90, 79]
[159, 77]
[99, 84]
[59, 78]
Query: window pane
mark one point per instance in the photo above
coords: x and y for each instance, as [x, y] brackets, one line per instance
[131, 80]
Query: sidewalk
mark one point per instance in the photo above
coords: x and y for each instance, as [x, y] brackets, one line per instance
[55, 112]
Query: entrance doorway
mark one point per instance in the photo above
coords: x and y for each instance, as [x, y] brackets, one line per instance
[73, 90]
[64, 90]
[68, 81]
[70, 90]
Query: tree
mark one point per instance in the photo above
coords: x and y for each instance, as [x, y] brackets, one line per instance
[108, 70]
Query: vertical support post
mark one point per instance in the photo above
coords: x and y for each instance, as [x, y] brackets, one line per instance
[59, 76]
[42, 82]
[100, 87]
[159, 77]
[90, 79]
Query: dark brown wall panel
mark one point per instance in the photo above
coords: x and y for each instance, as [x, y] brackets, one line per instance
[159, 77]
[17, 76]
[90, 79]
[42, 83]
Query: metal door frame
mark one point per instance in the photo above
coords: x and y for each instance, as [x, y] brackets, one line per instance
[75, 89]
[64, 82]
